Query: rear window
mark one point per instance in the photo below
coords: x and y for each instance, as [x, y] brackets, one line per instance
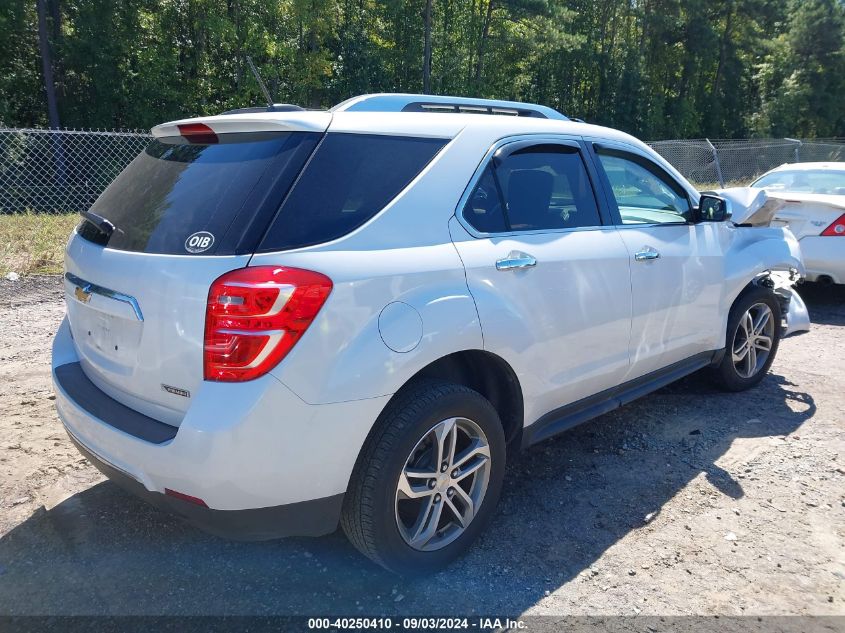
[828, 181]
[349, 179]
[181, 198]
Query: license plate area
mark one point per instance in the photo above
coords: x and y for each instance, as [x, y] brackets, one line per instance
[107, 331]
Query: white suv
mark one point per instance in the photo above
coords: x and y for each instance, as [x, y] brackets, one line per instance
[280, 320]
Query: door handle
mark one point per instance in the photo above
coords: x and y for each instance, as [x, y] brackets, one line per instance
[646, 254]
[516, 259]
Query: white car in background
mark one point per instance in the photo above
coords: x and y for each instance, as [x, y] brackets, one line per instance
[814, 210]
[284, 320]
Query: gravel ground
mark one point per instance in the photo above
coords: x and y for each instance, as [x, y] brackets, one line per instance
[688, 501]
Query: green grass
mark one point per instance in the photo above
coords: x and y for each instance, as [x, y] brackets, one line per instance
[710, 186]
[34, 243]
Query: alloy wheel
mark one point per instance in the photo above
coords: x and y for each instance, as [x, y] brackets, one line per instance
[753, 340]
[443, 483]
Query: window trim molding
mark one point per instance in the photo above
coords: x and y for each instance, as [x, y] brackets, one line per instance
[525, 140]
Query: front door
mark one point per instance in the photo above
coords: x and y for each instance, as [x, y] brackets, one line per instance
[676, 265]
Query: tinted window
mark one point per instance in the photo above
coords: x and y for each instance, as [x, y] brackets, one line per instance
[546, 187]
[349, 179]
[484, 210]
[642, 192]
[174, 189]
[827, 181]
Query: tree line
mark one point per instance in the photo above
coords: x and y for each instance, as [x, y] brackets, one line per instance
[655, 68]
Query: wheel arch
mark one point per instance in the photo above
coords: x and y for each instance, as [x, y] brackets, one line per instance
[754, 253]
[488, 374]
[484, 372]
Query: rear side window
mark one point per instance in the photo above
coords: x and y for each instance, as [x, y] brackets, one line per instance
[349, 179]
[544, 187]
[183, 198]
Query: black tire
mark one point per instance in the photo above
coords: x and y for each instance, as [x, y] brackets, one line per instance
[369, 508]
[726, 374]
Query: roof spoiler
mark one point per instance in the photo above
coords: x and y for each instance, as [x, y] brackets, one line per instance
[276, 107]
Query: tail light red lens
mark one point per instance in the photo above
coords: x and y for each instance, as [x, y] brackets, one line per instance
[837, 228]
[181, 495]
[254, 317]
[198, 133]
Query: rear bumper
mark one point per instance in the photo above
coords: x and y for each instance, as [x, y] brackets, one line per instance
[824, 256]
[265, 463]
[306, 518]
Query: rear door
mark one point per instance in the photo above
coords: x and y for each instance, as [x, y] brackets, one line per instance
[677, 266]
[550, 278]
[139, 267]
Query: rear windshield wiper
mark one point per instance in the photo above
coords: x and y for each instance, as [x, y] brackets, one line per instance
[106, 227]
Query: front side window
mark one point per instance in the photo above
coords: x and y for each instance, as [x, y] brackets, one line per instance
[537, 188]
[642, 192]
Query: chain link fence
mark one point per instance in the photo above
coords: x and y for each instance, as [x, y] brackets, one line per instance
[48, 171]
[721, 163]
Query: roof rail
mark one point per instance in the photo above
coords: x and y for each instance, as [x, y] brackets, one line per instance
[387, 102]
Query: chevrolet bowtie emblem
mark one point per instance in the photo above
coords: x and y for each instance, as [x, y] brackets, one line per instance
[82, 294]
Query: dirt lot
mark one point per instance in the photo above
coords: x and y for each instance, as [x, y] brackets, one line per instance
[689, 501]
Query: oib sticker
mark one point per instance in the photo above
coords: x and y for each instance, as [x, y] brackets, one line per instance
[199, 242]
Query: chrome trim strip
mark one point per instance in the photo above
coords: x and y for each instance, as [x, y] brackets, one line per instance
[87, 286]
[651, 225]
[252, 332]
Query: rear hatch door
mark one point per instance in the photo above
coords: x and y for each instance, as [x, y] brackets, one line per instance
[189, 208]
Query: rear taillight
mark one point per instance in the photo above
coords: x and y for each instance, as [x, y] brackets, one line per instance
[198, 133]
[837, 228]
[254, 317]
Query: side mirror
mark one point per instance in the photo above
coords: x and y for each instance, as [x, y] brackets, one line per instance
[712, 208]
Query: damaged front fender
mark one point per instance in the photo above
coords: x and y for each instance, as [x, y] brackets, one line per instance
[768, 256]
[761, 253]
[761, 249]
